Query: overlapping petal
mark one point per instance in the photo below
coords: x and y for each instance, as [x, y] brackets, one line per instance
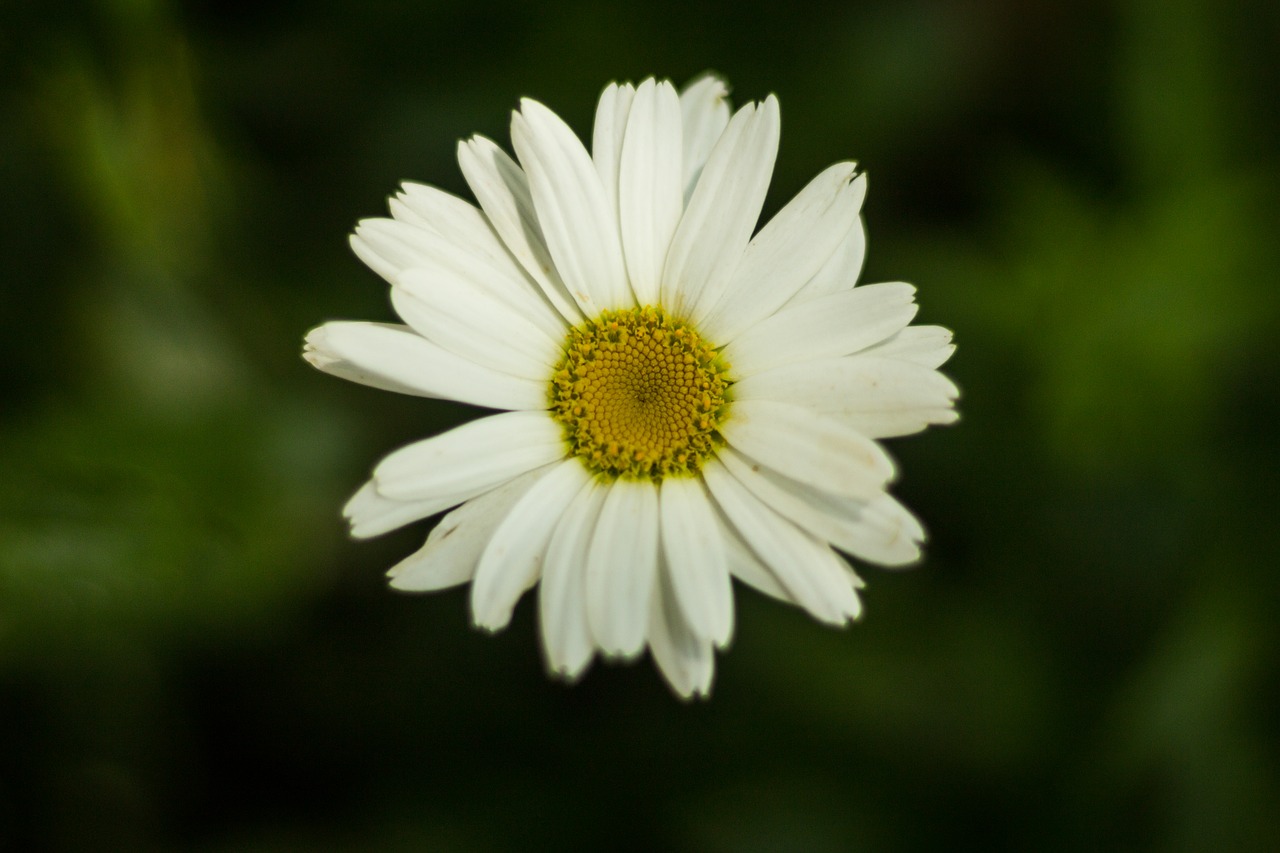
[452, 550]
[833, 325]
[512, 560]
[685, 659]
[395, 358]
[474, 325]
[562, 596]
[502, 188]
[821, 451]
[878, 396]
[478, 455]
[465, 230]
[391, 246]
[697, 558]
[620, 567]
[927, 346]
[722, 211]
[650, 194]
[841, 270]
[612, 112]
[371, 513]
[787, 252]
[704, 111]
[580, 226]
[877, 529]
[810, 572]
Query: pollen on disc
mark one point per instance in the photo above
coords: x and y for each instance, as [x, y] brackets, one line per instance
[639, 394]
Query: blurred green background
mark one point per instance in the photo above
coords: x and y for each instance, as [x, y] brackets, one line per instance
[193, 655]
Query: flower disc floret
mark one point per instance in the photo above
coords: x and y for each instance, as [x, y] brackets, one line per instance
[640, 395]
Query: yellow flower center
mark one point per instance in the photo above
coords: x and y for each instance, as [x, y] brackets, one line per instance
[639, 395]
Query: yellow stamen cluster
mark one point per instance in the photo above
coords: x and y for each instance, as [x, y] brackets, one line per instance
[639, 395]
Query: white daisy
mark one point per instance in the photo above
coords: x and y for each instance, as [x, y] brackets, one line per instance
[684, 403]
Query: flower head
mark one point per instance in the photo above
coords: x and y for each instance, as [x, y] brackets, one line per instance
[682, 402]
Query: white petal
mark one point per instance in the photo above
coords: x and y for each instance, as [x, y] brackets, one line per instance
[502, 188]
[788, 251]
[884, 524]
[684, 658]
[580, 227]
[606, 139]
[395, 358]
[832, 325]
[621, 563]
[319, 350]
[893, 423]
[814, 450]
[562, 597]
[813, 575]
[869, 529]
[746, 566]
[512, 559]
[392, 246]
[722, 212]
[372, 514]
[928, 346]
[453, 218]
[461, 225]
[650, 194]
[387, 257]
[475, 326]
[842, 269]
[878, 397]
[695, 552]
[453, 547]
[704, 109]
[485, 452]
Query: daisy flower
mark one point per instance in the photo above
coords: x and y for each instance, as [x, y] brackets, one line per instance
[683, 401]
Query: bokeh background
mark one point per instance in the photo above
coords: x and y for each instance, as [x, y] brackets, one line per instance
[194, 656]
